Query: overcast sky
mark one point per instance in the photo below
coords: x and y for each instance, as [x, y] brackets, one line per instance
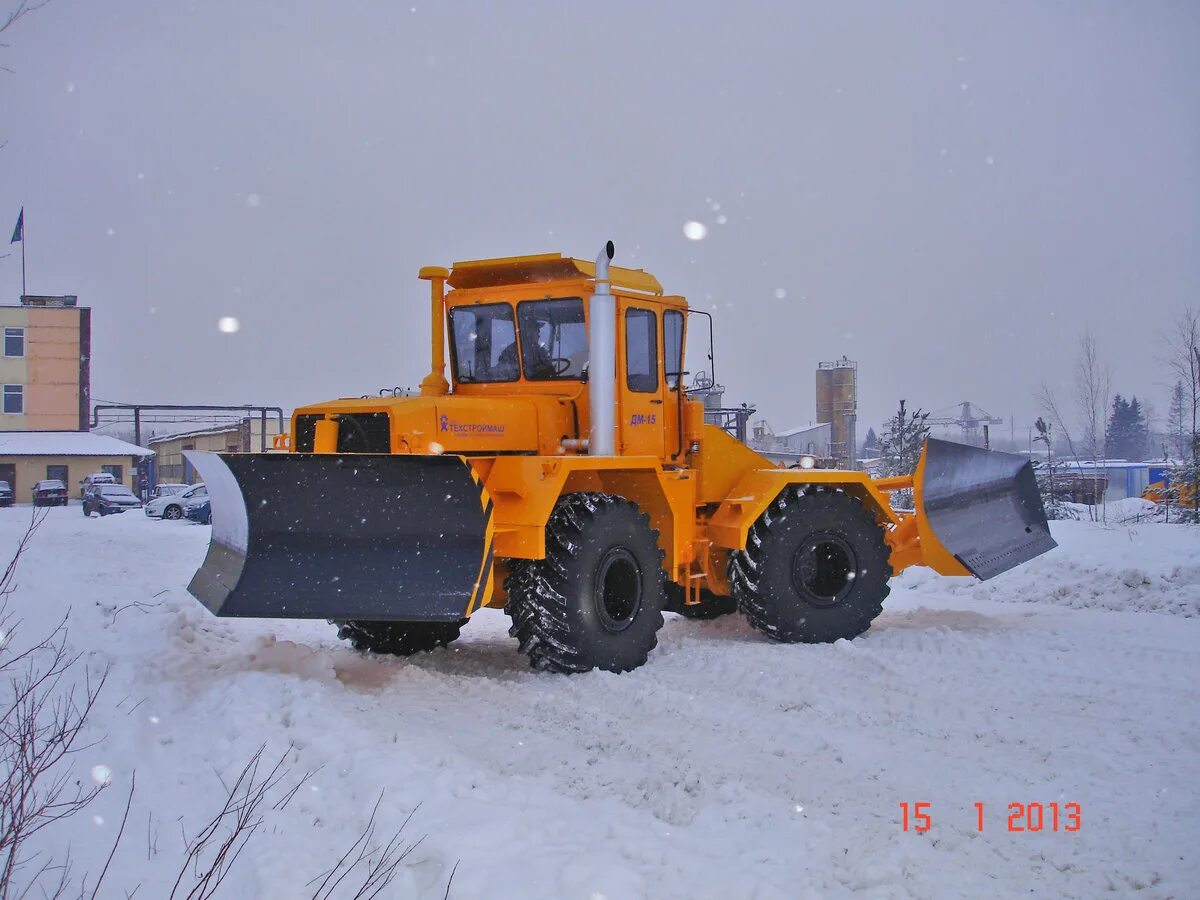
[945, 192]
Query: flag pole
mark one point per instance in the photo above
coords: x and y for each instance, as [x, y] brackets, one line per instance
[23, 289]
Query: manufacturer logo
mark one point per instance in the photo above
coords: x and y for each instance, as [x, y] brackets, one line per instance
[469, 429]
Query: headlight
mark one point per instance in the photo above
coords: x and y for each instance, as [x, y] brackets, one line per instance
[808, 462]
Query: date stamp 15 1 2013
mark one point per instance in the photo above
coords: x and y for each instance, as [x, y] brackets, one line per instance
[1022, 817]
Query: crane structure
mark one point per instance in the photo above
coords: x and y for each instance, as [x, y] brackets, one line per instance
[972, 419]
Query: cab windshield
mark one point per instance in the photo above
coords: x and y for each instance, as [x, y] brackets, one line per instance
[483, 343]
[553, 338]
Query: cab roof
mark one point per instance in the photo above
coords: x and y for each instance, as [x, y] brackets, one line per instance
[543, 267]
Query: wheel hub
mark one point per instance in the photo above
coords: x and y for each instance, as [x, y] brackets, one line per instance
[618, 589]
[824, 569]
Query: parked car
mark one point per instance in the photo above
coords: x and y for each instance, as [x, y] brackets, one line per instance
[6, 494]
[50, 492]
[109, 498]
[163, 489]
[98, 478]
[171, 506]
[200, 512]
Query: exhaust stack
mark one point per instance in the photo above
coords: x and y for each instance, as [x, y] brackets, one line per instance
[602, 361]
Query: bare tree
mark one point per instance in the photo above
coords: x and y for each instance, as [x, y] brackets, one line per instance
[22, 9]
[1093, 396]
[1093, 387]
[1176, 424]
[44, 708]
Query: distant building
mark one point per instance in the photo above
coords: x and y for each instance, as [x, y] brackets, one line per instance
[70, 456]
[786, 447]
[245, 436]
[45, 368]
[1118, 479]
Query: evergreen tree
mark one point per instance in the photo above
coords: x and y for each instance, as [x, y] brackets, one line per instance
[1137, 433]
[871, 444]
[1118, 427]
[1184, 490]
[1128, 432]
[904, 435]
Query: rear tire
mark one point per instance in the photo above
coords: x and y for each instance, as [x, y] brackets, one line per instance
[815, 568]
[398, 638]
[711, 606]
[595, 601]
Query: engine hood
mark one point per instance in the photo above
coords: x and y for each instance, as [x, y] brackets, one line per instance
[456, 423]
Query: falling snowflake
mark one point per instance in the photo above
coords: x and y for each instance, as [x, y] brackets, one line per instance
[721, 220]
[253, 201]
[694, 231]
[102, 775]
[780, 293]
[228, 324]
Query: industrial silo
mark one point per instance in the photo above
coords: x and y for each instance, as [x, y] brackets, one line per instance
[837, 404]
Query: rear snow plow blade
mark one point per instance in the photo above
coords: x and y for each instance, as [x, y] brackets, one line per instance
[980, 507]
[381, 537]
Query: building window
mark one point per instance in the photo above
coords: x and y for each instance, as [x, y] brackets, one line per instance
[14, 399]
[57, 472]
[14, 341]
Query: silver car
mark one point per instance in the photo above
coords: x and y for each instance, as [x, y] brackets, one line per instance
[171, 506]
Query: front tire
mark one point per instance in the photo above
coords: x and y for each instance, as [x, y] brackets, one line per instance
[596, 600]
[815, 568]
[173, 512]
[398, 638]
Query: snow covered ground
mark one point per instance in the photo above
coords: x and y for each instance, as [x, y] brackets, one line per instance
[725, 768]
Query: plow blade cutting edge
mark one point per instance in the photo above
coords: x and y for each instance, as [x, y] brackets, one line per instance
[366, 536]
[982, 506]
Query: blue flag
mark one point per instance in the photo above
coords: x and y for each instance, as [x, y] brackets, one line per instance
[19, 231]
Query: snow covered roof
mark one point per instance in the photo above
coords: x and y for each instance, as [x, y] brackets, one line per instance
[228, 428]
[66, 443]
[792, 432]
[1105, 464]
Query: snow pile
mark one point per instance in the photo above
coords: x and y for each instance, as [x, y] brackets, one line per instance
[1150, 568]
[727, 767]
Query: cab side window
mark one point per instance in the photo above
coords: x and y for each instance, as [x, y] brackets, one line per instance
[641, 350]
[673, 347]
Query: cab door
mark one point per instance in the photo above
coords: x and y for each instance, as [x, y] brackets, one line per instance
[639, 380]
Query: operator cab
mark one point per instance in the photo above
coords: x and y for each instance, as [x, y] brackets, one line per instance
[552, 347]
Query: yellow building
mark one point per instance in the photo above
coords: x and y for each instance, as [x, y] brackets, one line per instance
[237, 437]
[45, 368]
[27, 457]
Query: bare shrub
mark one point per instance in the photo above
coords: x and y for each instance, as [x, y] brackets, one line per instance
[44, 708]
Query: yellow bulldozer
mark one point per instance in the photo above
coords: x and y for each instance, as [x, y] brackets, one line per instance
[563, 474]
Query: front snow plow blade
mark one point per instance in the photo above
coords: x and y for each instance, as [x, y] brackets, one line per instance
[384, 537]
[980, 507]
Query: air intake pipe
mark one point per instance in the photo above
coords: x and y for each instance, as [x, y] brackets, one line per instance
[602, 361]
